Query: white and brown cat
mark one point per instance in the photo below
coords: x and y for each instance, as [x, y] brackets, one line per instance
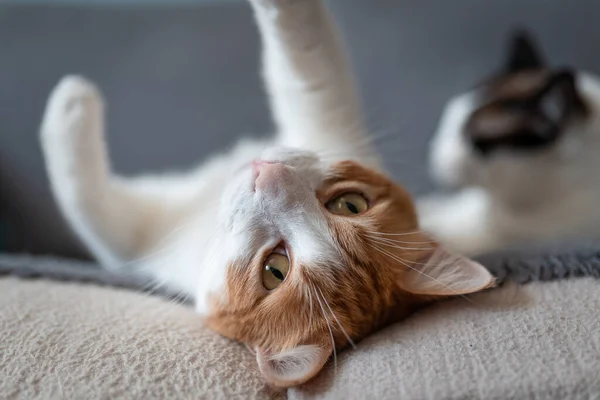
[523, 149]
[295, 246]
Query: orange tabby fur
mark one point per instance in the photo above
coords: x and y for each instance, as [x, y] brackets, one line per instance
[364, 295]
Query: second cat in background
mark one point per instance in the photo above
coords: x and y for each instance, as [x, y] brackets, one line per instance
[522, 150]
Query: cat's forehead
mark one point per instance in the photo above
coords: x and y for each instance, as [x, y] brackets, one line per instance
[507, 102]
[515, 86]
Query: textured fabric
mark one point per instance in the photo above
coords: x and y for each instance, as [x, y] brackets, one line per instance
[545, 262]
[538, 341]
[76, 341]
[65, 340]
[62, 269]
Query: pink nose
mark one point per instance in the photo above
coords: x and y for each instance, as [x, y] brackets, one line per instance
[269, 174]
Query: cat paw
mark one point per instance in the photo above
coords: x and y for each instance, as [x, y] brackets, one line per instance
[74, 105]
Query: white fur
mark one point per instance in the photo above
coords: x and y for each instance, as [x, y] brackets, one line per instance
[293, 365]
[183, 230]
[449, 161]
[447, 273]
[511, 198]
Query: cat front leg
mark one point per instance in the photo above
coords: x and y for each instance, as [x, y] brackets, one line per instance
[103, 212]
[309, 81]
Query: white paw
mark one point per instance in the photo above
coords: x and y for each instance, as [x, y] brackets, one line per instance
[75, 105]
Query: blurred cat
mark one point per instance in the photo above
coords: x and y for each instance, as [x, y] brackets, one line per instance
[523, 150]
[297, 245]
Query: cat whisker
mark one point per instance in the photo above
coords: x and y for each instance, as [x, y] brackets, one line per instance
[179, 299]
[393, 244]
[396, 241]
[396, 234]
[412, 262]
[330, 332]
[393, 240]
[250, 349]
[337, 320]
[152, 286]
[310, 304]
[170, 299]
[406, 263]
[151, 292]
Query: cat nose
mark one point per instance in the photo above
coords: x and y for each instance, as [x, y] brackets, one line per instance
[256, 164]
[270, 175]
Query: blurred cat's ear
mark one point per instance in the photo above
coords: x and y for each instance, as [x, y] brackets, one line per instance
[294, 366]
[559, 97]
[443, 273]
[523, 54]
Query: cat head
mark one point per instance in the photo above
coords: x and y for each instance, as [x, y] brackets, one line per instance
[512, 128]
[317, 255]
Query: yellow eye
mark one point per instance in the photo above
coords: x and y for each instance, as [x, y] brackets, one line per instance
[348, 204]
[275, 270]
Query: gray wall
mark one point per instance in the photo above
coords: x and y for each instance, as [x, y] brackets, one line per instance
[113, 2]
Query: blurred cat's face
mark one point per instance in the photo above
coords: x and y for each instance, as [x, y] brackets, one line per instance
[513, 130]
[317, 255]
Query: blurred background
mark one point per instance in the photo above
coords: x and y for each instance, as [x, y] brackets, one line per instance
[181, 81]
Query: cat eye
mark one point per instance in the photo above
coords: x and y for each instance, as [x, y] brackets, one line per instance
[275, 270]
[348, 204]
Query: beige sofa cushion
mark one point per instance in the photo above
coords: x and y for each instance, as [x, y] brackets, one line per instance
[76, 341]
[62, 340]
[536, 341]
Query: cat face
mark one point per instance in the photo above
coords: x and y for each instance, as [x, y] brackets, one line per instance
[512, 130]
[320, 255]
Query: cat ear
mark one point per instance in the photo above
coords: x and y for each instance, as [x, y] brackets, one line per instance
[445, 274]
[293, 366]
[559, 96]
[523, 54]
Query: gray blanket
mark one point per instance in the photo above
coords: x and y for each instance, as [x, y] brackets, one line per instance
[520, 265]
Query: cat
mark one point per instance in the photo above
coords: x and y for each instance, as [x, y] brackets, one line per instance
[298, 245]
[522, 150]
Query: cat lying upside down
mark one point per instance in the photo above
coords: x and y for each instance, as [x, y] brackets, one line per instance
[296, 246]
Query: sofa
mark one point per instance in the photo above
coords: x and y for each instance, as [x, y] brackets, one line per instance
[181, 82]
[76, 340]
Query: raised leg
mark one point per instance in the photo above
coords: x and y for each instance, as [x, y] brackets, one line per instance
[308, 78]
[103, 211]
